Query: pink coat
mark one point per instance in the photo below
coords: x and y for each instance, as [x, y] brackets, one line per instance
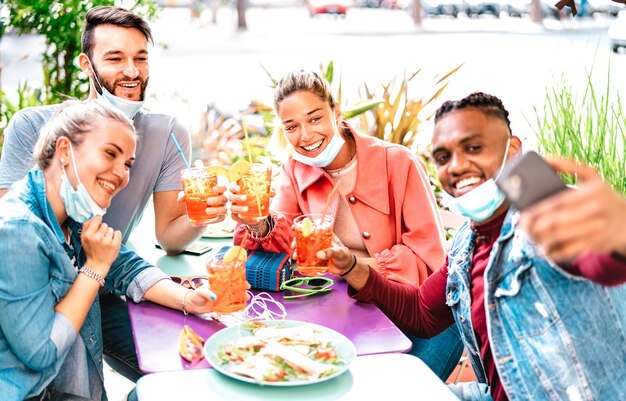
[393, 205]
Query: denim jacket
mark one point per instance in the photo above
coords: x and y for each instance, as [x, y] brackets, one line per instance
[554, 336]
[37, 344]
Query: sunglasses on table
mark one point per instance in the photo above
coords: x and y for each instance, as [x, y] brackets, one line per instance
[191, 282]
[305, 286]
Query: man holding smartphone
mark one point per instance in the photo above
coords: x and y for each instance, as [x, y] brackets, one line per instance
[533, 329]
[589, 219]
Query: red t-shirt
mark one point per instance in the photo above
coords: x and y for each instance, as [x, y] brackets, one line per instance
[423, 311]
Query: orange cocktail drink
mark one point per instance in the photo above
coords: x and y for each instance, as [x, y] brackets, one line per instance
[198, 185]
[255, 183]
[227, 278]
[312, 234]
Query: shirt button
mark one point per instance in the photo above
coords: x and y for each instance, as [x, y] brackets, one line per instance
[352, 199]
[462, 319]
[366, 235]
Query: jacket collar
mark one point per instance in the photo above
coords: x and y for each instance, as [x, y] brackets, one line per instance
[37, 183]
[372, 162]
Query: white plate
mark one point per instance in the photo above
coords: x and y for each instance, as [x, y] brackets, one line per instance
[343, 346]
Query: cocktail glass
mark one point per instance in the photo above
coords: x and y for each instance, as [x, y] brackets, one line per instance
[255, 184]
[228, 281]
[312, 235]
[198, 183]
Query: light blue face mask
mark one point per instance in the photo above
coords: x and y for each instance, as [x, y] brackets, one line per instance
[79, 205]
[481, 202]
[326, 156]
[126, 106]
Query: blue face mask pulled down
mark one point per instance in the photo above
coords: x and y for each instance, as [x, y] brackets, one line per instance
[481, 202]
[79, 205]
[325, 157]
[126, 106]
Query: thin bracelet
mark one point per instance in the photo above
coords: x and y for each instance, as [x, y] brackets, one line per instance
[255, 233]
[92, 274]
[183, 301]
[351, 267]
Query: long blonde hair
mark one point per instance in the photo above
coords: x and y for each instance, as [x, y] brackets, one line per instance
[73, 119]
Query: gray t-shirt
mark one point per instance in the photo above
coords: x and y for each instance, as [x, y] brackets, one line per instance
[157, 164]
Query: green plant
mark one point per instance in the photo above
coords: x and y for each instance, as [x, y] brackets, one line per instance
[590, 129]
[26, 96]
[60, 23]
[398, 116]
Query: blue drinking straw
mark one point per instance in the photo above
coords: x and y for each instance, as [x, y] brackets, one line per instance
[180, 150]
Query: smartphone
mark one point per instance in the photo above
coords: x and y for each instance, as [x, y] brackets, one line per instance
[196, 248]
[527, 179]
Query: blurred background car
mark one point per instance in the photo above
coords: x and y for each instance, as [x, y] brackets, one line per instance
[609, 7]
[617, 32]
[335, 7]
[518, 8]
[481, 7]
[444, 7]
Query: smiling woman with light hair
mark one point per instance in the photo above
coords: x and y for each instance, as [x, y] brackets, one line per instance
[57, 254]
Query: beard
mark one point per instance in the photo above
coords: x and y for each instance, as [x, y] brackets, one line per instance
[111, 85]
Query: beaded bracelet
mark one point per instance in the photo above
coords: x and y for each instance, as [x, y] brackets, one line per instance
[351, 267]
[255, 232]
[92, 274]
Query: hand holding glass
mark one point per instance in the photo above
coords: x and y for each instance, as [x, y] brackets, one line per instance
[227, 278]
[198, 184]
[312, 235]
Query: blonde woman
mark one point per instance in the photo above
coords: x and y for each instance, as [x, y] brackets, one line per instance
[57, 254]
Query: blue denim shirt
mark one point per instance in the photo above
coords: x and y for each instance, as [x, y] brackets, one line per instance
[38, 345]
[554, 336]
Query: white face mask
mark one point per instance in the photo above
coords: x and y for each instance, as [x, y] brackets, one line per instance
[481, 202]
[326, 156]
[126, 106]
[79, 205]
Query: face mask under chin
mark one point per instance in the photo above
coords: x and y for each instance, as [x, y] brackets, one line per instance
[129, 107]
[79, 205]
[326, 156]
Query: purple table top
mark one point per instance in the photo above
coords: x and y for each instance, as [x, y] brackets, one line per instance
[156, 329]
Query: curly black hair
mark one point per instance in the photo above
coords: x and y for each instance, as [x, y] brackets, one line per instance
[488, 104]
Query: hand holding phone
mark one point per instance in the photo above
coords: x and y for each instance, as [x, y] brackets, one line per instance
[527, 179]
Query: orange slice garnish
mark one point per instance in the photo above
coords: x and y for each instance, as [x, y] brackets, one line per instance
[235, 253]
[238, 169]
[307, 227]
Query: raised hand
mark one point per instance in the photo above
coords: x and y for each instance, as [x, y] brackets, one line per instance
[589, 218]
[101, 245]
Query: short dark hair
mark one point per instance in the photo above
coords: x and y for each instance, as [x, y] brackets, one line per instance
[111, 15]
[488, 104]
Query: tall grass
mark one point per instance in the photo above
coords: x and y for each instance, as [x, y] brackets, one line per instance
[590, 129]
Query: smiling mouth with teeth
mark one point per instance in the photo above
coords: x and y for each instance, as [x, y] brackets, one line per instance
[105, 184]
[466, 182]
[313, 147]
